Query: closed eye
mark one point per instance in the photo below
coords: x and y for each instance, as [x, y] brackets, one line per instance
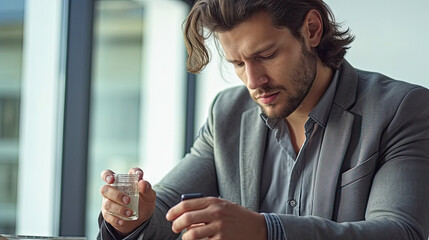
[238, 64]
[271, 56]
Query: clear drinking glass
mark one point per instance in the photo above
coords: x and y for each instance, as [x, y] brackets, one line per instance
[127, 183]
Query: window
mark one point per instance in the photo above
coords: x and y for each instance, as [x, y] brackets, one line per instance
[11, 36]
[138, 92]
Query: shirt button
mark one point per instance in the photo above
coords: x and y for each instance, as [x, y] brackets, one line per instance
[292, 203]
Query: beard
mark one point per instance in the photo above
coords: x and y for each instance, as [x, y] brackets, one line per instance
[302, 78]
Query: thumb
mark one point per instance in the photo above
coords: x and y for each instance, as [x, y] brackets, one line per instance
[147, 194]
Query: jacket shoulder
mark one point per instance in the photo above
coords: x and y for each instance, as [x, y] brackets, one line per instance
[379, 90]
[235, 99]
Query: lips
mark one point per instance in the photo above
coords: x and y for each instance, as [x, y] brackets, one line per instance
[268, 98]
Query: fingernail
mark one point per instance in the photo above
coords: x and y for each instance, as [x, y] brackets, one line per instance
[109, 179]
[125, 199]
[140, 173]
[128, 213]
[120, 222]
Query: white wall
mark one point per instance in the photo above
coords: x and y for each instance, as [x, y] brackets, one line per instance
[391, 36]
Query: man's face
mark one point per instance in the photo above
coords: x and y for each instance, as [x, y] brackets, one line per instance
[277, 69]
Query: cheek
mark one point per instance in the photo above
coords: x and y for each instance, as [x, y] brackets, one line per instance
[282, 71]
[278, 74]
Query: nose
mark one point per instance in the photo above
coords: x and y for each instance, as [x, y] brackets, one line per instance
[255, 76]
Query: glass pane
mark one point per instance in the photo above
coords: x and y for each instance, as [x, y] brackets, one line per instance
[114, 123]
[138, 92]
[11, 29]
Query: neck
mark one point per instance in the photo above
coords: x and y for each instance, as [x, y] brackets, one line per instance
[321, 82]
[297, 119]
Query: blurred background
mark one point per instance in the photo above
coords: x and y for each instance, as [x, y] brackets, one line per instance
[90, 85]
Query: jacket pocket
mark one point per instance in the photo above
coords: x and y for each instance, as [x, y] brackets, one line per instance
[360, 171]
[352, 197]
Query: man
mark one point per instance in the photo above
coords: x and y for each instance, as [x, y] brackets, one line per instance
[327, 151]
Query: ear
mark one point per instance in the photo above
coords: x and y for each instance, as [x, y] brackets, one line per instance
[312, 28]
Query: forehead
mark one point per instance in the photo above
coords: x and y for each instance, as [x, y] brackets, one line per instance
[251, 35]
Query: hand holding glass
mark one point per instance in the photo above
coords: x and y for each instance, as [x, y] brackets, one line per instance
[127, 183]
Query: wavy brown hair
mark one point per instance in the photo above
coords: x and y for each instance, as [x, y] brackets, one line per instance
[211, 16]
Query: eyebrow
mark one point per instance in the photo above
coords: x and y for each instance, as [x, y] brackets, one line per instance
[257, 52]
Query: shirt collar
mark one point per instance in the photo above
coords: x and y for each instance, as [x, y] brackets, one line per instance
[320, 112]
[270, 122]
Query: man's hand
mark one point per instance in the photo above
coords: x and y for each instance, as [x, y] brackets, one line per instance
[113, 201]
[214, 218]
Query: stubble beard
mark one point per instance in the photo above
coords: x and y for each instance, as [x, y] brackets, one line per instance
[302, 79]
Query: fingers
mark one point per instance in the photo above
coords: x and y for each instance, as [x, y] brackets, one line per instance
[113, 220]
[147, 194]
[194, 211]
[113, 208]
[136, 170]
[190, 220]
[200, 231]
[108, 176]
[190, 205]
[114, 195]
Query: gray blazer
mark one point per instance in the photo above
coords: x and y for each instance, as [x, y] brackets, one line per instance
[372, 180]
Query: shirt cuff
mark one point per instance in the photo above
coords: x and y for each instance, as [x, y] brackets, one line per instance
[137, 234]
[274, 227]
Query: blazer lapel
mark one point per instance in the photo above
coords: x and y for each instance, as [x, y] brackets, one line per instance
[335, 143]
[334, 146]
[253, 136]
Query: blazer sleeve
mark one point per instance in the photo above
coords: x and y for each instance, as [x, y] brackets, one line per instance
[397, 207]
